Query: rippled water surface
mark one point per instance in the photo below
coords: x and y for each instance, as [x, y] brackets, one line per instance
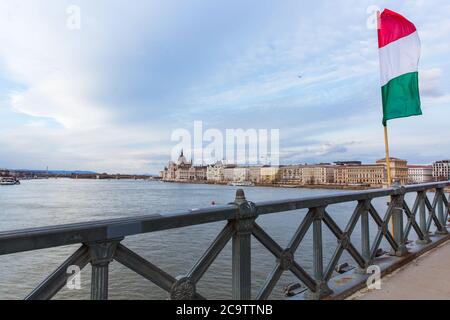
[57, 201]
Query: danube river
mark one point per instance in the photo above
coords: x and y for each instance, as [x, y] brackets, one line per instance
[58, 201]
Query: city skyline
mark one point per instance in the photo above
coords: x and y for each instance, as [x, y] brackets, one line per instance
[340, 174]
[108, 96]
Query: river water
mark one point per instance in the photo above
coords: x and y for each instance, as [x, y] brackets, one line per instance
[58, 201]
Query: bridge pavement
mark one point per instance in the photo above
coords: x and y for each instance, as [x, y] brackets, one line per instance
[427, 277]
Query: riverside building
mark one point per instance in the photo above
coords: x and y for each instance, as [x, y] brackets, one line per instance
[183, 170]
[215, 172]
[270, 175]
[441, 170]
[307, 174]
[235, 174]
[254, 174]
[318, 174]
[399, 169]
[420, 173]
[291, 174]
[373, 175]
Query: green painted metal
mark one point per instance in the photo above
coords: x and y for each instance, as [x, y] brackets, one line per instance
[101, 241]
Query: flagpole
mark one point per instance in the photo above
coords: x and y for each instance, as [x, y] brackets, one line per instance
[388, 159]
[386, 140]
[386, 144]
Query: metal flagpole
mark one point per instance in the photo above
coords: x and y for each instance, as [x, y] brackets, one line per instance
[386, 146]
[388, 160]
[386, 140]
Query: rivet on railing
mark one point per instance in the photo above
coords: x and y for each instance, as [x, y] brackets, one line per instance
[183, 289]
[344, 241]
[286, 259]
[384, 228]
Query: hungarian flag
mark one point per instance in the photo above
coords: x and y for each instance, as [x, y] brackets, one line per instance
[399, 48]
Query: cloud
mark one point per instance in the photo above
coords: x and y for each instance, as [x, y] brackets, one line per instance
[430, 82]
[314, 153]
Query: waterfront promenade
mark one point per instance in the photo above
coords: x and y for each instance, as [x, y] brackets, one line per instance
[425, 278]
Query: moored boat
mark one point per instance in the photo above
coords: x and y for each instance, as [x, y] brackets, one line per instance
[241, 184]
[8, 181]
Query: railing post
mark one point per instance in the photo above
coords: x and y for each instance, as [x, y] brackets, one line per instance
[365, 234]
[397, 219]
[440, 212]
[322, 289]
[241, 247]
[102, 253]
[423, 219]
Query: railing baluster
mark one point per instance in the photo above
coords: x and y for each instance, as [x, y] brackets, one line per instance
[397, 220]
[317, 244]
[447, 208]
[241, 247]
[440, 211]
[102, 253]
[322, 288]
[365, 234]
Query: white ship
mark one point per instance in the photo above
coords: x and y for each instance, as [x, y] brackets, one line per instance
[7, 181]
[241, 184]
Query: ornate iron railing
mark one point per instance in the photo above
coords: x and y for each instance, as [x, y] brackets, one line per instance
[101, 240]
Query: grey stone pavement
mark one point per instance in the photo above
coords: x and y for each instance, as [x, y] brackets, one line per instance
[427, 277]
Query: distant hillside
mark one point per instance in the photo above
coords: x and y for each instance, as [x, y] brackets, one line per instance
[65, 172]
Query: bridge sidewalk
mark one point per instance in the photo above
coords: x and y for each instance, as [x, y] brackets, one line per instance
[427, 277]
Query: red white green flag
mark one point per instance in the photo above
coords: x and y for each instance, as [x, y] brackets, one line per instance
[399, 49]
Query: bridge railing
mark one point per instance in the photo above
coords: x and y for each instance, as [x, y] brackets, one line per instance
[101, 240]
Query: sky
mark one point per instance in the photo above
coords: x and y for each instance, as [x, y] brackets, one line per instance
[108, 95]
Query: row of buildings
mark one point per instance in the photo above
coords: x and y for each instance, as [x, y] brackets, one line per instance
[338, 173]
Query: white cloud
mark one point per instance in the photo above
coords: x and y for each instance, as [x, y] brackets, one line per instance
[60, 80]
[430, 82]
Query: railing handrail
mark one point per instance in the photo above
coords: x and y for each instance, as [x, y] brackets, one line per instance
[60, 235]
[334, 198]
